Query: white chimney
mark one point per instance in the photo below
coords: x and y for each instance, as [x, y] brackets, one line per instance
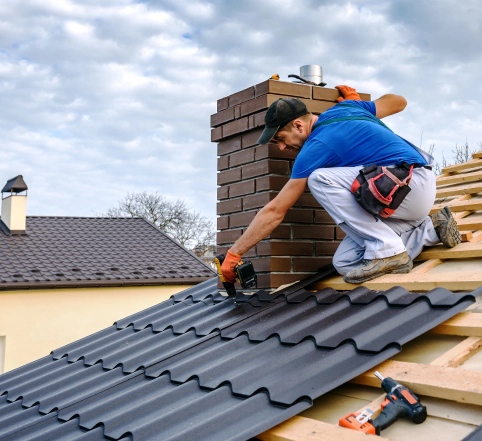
[14, 206]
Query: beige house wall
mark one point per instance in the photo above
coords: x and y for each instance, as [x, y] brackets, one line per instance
[33, 323]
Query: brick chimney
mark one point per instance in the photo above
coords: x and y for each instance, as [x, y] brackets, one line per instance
[251, 175]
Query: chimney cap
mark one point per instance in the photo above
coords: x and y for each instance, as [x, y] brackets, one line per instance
[15, 185]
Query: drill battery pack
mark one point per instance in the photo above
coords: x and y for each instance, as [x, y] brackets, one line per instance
[245, 274]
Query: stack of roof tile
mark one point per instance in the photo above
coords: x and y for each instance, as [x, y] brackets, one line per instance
[197, 367]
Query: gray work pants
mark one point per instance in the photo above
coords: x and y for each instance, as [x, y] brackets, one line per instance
[408, 229]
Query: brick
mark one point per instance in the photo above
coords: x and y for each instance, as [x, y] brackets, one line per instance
[223, 192]
[231, 206]
[251, 138]
[223, 222]
[339, 233]
[223, 163]
[258, 200]
[317, 107]
[295, 215]
[242, 157]
[285, 248]
[250, 253]
[217, 134]
[229, 146]
[242, 188]
[326, 94]
[222, 250]
[225, 177]
[237, 112]
[310, 263]
[223, 103]
[272, 264]
[267, 166]
[271, 183]
[326, 248]
[229, 236]
[283, 88]
[257, 120]
[235, 127]
[260, 103]
[306, 200]
[222, 117]
[242, 96]
[273, 151]
[242, 219]
[280, 232]
[313, 232]
[322, 217]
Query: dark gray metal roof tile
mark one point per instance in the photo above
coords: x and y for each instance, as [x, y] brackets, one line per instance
[227, 370]
[188, 412]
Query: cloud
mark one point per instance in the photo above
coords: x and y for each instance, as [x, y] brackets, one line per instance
[99, 99]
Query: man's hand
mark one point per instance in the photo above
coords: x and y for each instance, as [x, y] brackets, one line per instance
[230, 261]
[348, 93]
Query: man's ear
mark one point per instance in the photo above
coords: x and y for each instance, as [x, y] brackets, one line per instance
[298, 125]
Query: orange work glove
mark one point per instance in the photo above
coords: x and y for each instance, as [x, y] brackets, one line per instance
[347, 93]
[230, 261]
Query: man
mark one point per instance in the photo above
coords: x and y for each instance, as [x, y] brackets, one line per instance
[345, 139]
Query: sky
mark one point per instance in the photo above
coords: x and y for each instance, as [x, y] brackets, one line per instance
[98, 99]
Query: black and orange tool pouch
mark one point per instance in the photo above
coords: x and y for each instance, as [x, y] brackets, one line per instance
[381, 190]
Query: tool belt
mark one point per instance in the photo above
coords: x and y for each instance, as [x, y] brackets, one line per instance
[381, 190]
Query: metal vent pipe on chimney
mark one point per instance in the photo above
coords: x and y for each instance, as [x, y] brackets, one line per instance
[312, 72]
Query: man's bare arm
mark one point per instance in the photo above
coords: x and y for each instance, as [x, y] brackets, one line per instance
[389, 104]
[270, 216]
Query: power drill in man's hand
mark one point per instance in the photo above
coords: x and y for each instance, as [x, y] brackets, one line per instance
[244, 273]
[399, 403]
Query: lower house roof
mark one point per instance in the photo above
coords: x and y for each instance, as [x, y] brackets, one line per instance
[197, 367]
[61, 252]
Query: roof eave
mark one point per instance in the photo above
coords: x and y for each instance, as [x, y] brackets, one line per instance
[101, 283]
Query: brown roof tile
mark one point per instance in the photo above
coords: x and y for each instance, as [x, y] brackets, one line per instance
[82, 251]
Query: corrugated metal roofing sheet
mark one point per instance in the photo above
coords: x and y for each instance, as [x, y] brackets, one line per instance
[82, 251]
[196, 367]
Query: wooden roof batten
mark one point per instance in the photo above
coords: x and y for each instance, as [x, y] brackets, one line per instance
[457, 269]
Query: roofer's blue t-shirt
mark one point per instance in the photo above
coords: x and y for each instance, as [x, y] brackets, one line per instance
[352, 143]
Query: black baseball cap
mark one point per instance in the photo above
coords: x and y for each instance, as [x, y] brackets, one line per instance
[280, 113]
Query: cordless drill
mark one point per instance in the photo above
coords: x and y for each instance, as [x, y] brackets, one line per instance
[399, 403]
[244, 272]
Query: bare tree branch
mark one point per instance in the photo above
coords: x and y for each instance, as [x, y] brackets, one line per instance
[192, 230]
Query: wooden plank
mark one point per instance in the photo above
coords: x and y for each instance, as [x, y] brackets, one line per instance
[458, 167]
[468, 324]
[454, 179]
[477, 155]
[466, 236]
[426, 266]
[461, 251]
[459, 353]
[455, 281]
[458, 190]
[471, 223]
[476, 236]
[300, 428]
[461, 214]
[452, 358]
[471, 205]
[434, 381]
